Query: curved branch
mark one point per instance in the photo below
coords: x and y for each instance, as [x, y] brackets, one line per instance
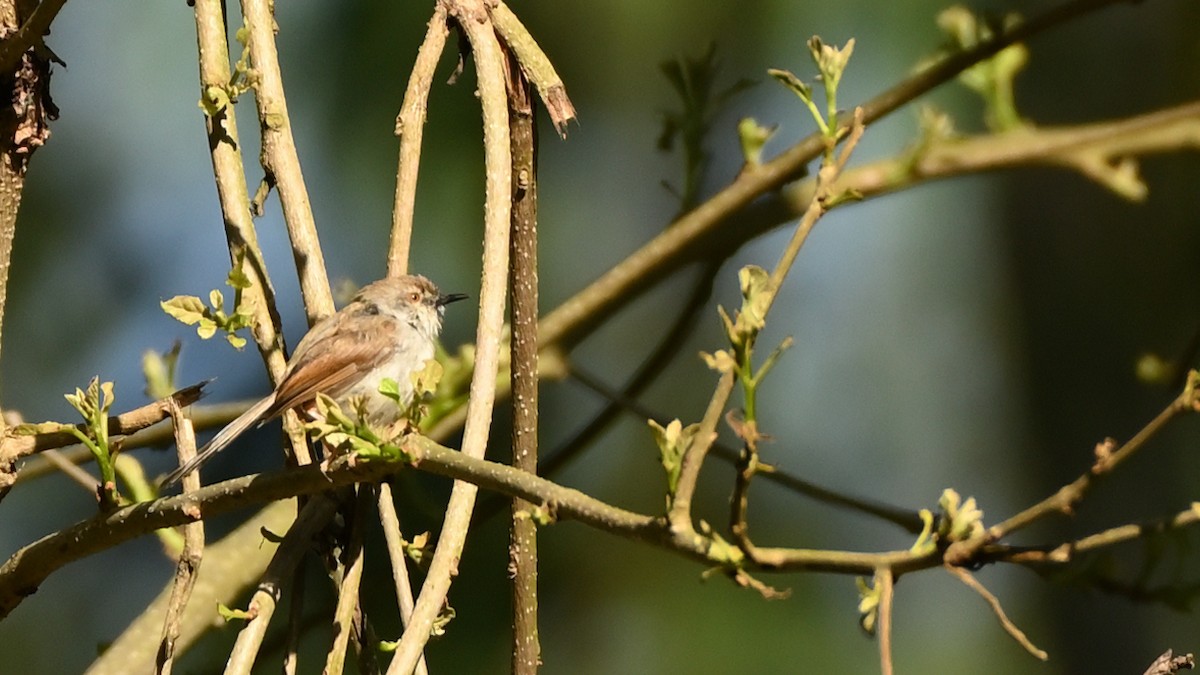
[473, 18]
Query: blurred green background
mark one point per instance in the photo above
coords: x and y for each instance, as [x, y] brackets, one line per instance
[980, 333]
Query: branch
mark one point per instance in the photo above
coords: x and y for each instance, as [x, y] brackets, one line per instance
[225, 151]
[523, 356]
[1064, 500]
[26, 569]
[13, 447]
[695, 233]
[281, 163]
[295, 544]
[535, 66]
[410, 127]
[472, 17]
[188, 566]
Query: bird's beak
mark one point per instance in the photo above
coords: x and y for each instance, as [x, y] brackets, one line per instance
[444, 300]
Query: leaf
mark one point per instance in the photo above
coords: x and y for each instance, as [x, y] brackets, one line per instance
[753, 136]
[390, 388]
[233, 614]
[673, 441]
[755, 300]
[789, 80]
[186, 308]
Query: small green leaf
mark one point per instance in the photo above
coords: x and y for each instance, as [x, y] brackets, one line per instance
[186, 308]
[390, 388]
[216, 300]
[673, 441]
[753, 136]
[789, 80]
[869, 595]
[233, 614]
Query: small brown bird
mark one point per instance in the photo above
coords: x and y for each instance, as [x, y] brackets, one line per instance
[387, 331]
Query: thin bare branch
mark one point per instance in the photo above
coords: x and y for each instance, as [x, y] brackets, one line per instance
[187, 568]
[1009, 627]
[281, 162]
[410, 127]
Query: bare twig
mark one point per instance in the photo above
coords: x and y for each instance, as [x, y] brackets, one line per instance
[1063, 501]
[55, 459]
[187, 567]
[523, 284]
[887, 597]
[14, 447]
[410, 127]
[1009, 627]
[347, 602]
[281, 162]
[395, 548]
[535, 65]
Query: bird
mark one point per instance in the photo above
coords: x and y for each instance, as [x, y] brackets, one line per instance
[388, 330]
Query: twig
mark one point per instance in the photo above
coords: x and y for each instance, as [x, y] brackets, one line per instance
[347, 602]
[681, 506]
[55, 459]
[647, 372]
[295, 629]
[25, 570]
[695, 233]
[1009, 627]
[472, 17]
[535, 65]
[14, 447]
[1105, 142]
[225, 151]
[187, 568]
[523, 355]
[395, 548]
[312, 519]
[202, 416]
[1065, 498]
[281, 162]
[887, 596]
[410, 127]
[749, 465]
[902, 517]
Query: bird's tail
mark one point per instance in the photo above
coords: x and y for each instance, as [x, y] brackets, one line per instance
[223, 438]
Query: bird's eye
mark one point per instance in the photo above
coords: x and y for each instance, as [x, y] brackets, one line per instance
[414, 297]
